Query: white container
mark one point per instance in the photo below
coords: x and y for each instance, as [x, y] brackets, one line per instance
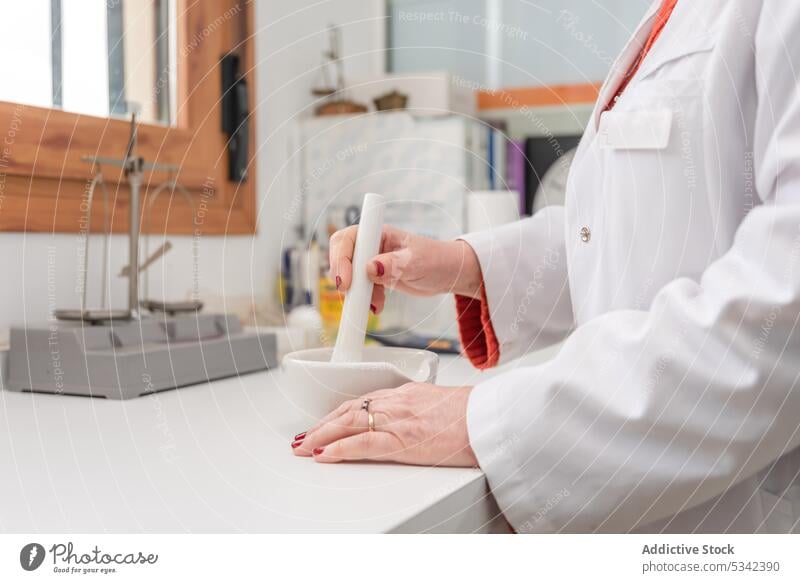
[316, 386]
[487, 209]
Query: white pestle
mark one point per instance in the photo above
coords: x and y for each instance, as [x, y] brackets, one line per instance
[355, 313]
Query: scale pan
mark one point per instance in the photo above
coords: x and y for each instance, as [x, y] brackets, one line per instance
[172, 307]
[93, 316]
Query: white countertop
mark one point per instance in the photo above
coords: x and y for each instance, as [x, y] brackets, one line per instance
[211, 458]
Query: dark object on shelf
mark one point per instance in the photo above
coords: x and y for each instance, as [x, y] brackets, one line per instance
[399, 338]
[542, 153]
[390, 101]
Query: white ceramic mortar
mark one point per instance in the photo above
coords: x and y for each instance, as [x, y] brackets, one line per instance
[316, 386]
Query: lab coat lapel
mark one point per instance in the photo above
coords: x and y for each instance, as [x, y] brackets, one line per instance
[624, 61]
[687, 31]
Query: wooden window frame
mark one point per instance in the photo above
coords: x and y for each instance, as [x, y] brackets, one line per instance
[44, 182]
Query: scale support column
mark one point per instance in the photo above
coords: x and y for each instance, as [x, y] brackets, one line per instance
[135, 181]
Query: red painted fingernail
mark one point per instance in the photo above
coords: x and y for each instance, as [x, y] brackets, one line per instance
[373, 309]
[296, 444]
[317, 450]
[300, 436]
[338, 282]
[379, 267]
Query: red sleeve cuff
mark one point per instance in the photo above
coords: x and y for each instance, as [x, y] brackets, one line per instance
[478, 342]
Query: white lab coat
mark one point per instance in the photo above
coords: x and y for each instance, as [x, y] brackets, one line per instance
[673, 272]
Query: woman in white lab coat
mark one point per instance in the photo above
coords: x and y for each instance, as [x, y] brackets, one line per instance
[672, 275]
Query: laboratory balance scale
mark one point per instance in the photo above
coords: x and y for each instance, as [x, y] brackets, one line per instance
[152, 345]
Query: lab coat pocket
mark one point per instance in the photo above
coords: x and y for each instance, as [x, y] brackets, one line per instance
[655, 210]
[635, 130]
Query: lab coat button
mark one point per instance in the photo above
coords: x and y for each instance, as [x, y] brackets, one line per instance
[586, 234]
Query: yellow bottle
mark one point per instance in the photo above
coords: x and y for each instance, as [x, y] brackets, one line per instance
[330, 309]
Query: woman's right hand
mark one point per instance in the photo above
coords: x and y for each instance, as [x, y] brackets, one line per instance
[410, 263]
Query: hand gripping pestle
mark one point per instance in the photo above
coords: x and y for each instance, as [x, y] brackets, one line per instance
[355, 313]
[318, 380]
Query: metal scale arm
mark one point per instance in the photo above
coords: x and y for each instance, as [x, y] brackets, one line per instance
[134, 167]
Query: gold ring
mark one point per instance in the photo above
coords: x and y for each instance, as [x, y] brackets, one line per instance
[370, 419]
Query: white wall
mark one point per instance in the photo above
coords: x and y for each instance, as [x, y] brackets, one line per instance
[508, 43]
[40, 271]
[565, 41]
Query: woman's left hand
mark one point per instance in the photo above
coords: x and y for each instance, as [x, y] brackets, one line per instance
[417, 423]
